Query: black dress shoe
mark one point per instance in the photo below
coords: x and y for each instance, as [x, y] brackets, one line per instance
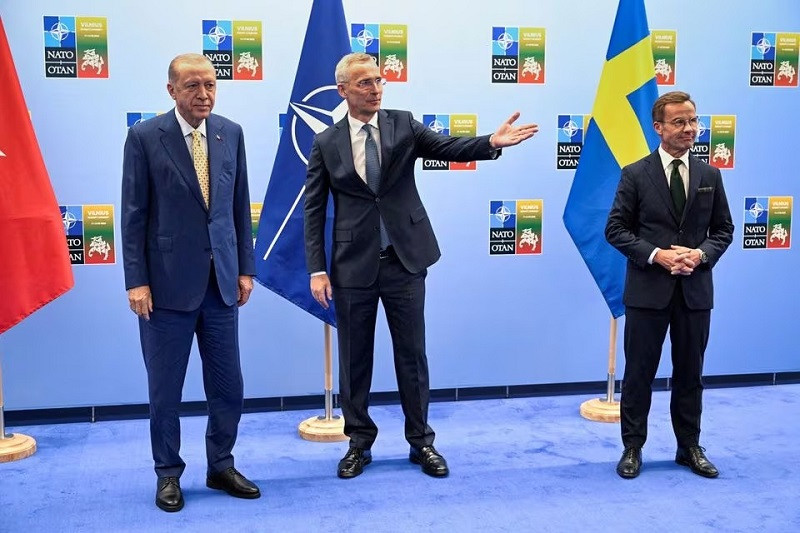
[432, 461]
[630, 463]
[694, 458]
[234, 483]
[169, 497]
[353, 462]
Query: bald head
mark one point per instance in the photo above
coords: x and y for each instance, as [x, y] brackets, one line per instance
[189, 60]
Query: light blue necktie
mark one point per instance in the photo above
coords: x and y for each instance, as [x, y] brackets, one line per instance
[373, 171]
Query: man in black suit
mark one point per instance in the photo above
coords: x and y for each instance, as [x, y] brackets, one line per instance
[671, 219]
[383, 243]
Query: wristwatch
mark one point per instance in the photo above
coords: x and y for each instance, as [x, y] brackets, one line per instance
[703, 256]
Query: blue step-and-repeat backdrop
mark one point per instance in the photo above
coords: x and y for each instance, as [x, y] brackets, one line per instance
[511, 301]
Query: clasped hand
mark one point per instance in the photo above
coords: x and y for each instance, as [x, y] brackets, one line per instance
[679, 260]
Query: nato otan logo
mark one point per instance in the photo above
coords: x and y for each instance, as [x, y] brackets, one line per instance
[515, 227]
[571, 134]
[456, 126]
[136, 117]
[234, 48]
[387, 43]
[75, 47]
[518, 55]
[774, 59]
[90, 233]
[767, 223]
[715, 142]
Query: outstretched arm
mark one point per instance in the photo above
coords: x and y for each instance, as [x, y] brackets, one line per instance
[509, 135]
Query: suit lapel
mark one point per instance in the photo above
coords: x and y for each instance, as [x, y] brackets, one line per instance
[175, 144]
[694, 183]
[216, 153]
[659, 181]
[345, 148]
[386, 127]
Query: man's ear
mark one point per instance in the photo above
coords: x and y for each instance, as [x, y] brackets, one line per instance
[659, 127]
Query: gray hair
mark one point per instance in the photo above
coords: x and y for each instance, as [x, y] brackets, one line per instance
[344, 64]
[196, 59]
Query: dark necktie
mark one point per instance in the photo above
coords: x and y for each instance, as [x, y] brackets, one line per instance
[676, 188]
[372, 166]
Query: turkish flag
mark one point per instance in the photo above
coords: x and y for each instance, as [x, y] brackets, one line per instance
[35, 267]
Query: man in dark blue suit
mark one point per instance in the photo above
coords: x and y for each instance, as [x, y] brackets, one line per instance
[383, 243]
[671, 219]
[188, 257]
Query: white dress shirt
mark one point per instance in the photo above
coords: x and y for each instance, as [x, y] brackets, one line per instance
[187, 130]
[358, 138]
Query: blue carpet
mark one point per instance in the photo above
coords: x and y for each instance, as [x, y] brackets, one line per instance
[529, 464]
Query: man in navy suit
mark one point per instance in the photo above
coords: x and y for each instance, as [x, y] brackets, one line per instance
[671, 219]
[188, 256]
[382, 245]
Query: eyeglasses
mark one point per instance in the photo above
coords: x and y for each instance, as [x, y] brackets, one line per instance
[369, 82]
[681, 123]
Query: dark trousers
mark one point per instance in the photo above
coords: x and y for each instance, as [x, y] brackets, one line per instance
[403, 297]
[166, 344]
[645, 331]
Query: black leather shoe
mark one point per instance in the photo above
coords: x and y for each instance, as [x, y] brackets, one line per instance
[694, 458]
[234, 483]
[432, 461]
[169, 497]
[353, 462]
[630, 463]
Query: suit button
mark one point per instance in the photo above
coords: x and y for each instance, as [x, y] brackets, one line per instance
[377, 200]
[375, 228]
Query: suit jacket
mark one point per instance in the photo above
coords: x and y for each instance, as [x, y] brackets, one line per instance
[168, 234]
[357, 210]
[643, 217]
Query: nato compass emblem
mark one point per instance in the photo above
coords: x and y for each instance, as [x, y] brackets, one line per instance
[69, 221]
[314, 113]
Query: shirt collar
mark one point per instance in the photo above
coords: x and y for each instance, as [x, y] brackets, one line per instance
[666, 159]
[186, 128]
[356, 125]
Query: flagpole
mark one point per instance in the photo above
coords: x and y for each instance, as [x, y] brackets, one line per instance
[14, 446]
[605, 409]
[327, 428]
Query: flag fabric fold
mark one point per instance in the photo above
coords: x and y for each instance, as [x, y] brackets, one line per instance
[620, 132]
[35, 268]
[314, 105]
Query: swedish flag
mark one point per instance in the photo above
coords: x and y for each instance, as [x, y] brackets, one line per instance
[620, 132]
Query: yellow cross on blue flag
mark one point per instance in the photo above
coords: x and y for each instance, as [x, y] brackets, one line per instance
[620, 132]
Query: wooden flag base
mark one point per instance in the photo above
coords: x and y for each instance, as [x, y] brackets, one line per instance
[16, 447]
[321, 429]
[600, 410]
